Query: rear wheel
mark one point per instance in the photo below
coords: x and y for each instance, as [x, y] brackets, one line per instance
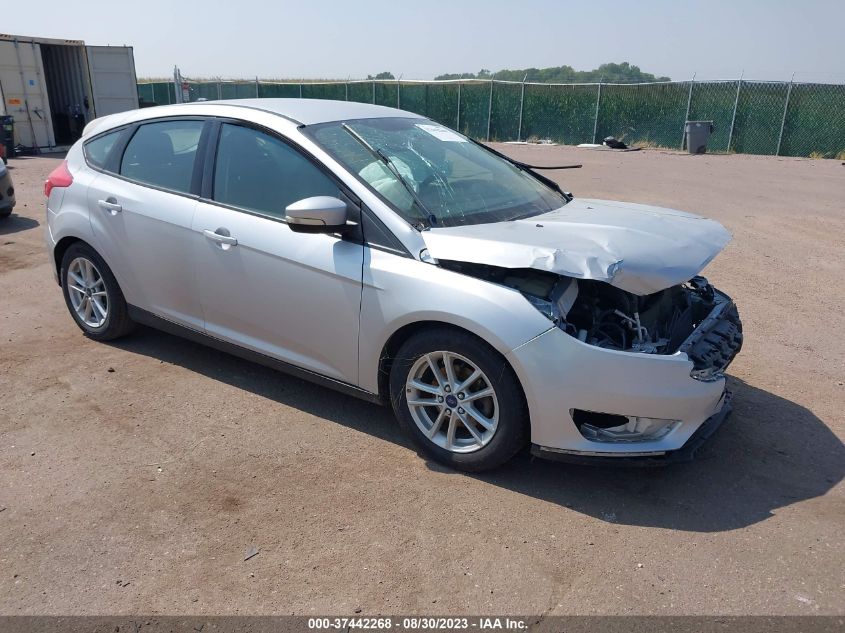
[459, 400]
[92, 294]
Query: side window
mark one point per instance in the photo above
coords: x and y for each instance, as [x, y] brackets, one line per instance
[162, 154]
[97, 151]
[259, 172]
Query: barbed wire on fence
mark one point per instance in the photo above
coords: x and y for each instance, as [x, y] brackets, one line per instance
[749, 116]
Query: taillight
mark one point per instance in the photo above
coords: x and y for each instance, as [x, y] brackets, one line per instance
[59, 177]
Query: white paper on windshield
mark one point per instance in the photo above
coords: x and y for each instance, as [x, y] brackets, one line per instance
[442, 133]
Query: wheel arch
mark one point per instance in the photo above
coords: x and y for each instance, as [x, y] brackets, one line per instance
[406, 332]
[62, 247]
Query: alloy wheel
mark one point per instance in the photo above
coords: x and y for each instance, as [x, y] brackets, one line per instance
[87, 292]
[452, 402]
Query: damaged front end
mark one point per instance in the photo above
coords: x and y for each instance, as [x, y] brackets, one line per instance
[692, 318]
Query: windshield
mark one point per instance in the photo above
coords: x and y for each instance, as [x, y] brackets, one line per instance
[433, 176]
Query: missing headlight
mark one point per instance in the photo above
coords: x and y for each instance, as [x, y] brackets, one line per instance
[605, 316]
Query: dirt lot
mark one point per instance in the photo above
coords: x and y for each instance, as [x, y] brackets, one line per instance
[135, 476]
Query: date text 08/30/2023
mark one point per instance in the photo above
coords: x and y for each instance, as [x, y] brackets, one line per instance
[418, 623]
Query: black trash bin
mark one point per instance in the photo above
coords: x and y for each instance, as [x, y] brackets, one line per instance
[7, 136]
[698, 133]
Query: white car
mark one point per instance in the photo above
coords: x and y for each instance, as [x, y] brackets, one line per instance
[7, 192]
[379, 253]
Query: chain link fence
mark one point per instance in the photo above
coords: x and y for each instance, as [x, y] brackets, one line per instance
[750, 117]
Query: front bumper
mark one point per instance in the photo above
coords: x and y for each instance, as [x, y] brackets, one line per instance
[684, 454]
[561, 375]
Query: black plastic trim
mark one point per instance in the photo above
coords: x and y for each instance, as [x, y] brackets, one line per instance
[208, 160]
[144, 317]
[197, 178]
[717, 339]
[378, 236]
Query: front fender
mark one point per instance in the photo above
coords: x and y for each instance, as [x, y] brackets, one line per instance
[399, 291]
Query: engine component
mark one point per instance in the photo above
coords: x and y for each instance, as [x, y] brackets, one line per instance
[599, 314]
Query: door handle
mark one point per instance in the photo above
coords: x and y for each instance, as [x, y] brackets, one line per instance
[110, 205]
[214, 236]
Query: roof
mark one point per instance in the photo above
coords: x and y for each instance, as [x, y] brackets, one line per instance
[312, 111]
[298, 111]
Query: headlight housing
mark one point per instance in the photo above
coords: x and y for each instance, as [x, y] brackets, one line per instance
[546, 308]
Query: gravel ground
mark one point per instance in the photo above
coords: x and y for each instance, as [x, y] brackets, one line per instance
[135, 476]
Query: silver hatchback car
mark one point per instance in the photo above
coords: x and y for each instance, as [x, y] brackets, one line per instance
[379, 253]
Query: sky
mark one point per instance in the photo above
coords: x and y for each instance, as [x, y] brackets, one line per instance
[333, 39]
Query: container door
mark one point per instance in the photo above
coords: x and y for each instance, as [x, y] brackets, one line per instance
[113, 84]
[24, 93]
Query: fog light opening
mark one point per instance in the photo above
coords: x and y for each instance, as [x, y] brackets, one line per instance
[608, 427]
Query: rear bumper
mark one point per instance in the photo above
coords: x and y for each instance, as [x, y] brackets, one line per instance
[684, 454]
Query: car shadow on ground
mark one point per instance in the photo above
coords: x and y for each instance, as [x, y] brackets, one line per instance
[770, 453]
[16, 223]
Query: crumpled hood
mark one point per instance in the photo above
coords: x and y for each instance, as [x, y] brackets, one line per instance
[635, 247]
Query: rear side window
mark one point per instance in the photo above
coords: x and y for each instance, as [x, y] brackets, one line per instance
[97, 151]
[259, 172]
[162, 154]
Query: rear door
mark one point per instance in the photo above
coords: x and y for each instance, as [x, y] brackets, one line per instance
[292, 296]
[141, 208]
[113, 82]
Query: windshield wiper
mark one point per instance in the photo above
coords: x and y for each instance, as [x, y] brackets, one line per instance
[532, 169]
[384, 158]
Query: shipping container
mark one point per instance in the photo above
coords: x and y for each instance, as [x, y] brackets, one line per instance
[53, 87]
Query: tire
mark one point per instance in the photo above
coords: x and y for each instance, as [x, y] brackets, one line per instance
[504, 412]
[104, 296]
[5, 213]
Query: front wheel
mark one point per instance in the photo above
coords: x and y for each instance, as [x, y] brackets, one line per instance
[459, 400]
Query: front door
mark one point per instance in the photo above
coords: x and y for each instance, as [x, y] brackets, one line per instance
[292, 296]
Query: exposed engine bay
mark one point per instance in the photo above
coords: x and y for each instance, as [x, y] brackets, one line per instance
[599, 314]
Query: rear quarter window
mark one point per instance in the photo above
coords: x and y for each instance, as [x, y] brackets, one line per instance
[97, 150]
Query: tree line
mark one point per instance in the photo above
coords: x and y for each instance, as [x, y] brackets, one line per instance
[610, 73]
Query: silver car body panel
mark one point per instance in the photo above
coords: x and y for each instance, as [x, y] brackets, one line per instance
[73, 221]
[293, 296]
[147, 246]
[330, 306]
[609, 381]
[400, 291]
[638, 248]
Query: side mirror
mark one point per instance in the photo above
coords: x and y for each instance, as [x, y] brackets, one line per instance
[320, 214]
